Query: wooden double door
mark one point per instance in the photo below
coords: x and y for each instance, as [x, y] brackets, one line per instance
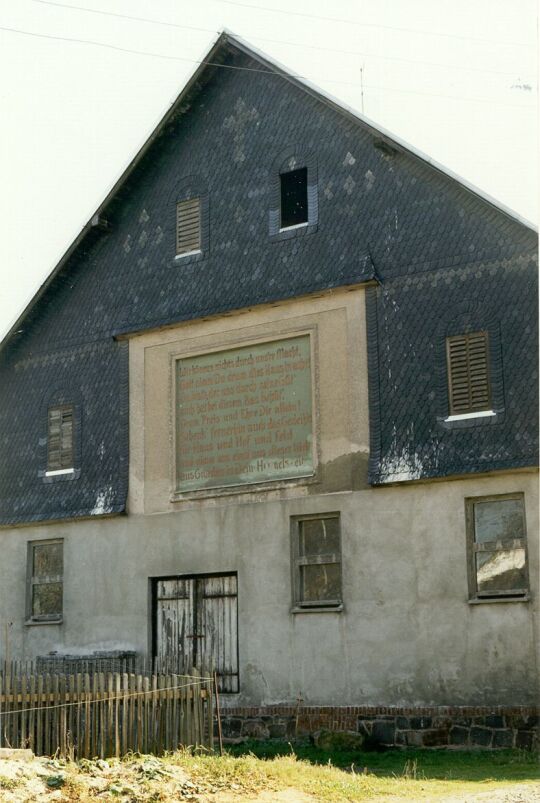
[196, 624]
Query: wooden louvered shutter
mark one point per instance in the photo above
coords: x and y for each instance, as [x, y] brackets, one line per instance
[468, 373]
[188, 226]
[60, 438]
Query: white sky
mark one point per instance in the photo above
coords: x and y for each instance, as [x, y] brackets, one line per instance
[457, 79]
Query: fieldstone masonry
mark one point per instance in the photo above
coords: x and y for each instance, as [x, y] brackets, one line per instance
[436, 726]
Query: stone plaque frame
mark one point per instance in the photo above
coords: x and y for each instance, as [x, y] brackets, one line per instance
[265, 484]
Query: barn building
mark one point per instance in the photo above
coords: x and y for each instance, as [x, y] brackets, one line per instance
[276, 409]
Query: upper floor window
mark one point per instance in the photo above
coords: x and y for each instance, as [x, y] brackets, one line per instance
[60, 422]
[45, 581]
[497, 549]
[188, 227]
[469, 390]
[294, 198]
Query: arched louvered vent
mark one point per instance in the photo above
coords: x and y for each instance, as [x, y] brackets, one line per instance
[60, 438]
[188, 226]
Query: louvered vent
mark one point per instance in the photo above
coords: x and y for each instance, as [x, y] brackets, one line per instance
[468, 373]
[60, 438]
[188, 226]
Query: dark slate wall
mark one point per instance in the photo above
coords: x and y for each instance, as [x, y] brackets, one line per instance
[428, 241]
[409, 317]
[94, 378]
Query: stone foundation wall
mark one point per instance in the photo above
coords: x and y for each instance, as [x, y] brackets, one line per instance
[437, 726]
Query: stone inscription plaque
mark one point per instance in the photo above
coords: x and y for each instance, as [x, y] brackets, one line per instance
[244, 415]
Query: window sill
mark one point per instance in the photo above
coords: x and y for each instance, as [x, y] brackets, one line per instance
[246, 488]
[189, 258]
[291, 232]
[34, 622]
[318, 609]
[467, 416]
[296, 226]
[61, 475]
[188, 254]
[497, 600]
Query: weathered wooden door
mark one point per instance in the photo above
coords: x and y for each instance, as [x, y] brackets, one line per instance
[196, 624]
[174, 623]
[218, 626]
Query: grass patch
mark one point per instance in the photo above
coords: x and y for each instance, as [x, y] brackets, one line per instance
[246, 773]
[412, 774]
[503, 765]
[392, 775]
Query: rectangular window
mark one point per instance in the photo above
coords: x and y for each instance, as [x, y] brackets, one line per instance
[316, 555]
[294, 200]
[497, 546]
[468, 373]
[60, 438]
[45, 581]
[188, 226]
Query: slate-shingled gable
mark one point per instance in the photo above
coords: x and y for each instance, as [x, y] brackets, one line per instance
[387, 218]
[408, 439]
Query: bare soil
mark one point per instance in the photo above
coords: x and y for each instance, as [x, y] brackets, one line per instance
[517, 793]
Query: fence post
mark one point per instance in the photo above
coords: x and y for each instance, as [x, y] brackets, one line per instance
[220, 735]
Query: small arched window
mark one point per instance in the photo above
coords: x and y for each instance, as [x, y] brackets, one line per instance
[190, 213]
[188, 227]
[60, 447]
[293, 198]
[61, 441]
[294, 195]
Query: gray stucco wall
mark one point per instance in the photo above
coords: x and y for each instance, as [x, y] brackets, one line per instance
[407, 635]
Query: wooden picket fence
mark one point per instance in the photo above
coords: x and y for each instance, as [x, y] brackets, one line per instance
[104, 714]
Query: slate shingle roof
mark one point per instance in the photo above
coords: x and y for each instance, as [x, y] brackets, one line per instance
[429, 242]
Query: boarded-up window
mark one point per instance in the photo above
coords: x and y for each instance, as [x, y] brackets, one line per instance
[497, 546]
[45, 581]
[188, 226]
[468, 373]
[196, 624]
[316, 553]
[60, 438]
[294, 198]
